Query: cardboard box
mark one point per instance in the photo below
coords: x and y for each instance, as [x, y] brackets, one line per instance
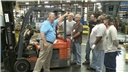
[125, 45]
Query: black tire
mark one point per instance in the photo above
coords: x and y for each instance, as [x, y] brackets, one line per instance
[21, 66]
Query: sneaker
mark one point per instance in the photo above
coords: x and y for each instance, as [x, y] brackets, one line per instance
[77, 66]
[90, 68]
[73, 63]
[86, 63]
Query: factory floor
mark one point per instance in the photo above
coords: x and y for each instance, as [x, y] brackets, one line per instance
[122, 66]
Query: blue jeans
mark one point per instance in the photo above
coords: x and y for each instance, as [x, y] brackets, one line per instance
[87, 51]
[76, 49]
[110, 61]
[97, 60]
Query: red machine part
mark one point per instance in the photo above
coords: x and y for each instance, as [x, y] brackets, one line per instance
[64, 49]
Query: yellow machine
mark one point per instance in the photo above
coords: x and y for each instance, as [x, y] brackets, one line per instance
[126, 29]
[85, 29]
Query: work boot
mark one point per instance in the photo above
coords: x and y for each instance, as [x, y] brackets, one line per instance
[77, 66]
[90, 68]
[73, 63]
[86, 63]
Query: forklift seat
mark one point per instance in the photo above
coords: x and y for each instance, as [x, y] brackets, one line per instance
[36, 45]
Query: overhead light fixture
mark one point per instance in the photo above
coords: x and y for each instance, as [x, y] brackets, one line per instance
[63, 9]
[86, 0]
[63, 4]
[47, 6]
[27, 3]
[68, 1]
[121, 18]
[52, 6]
[76, 4]
[79, 6]
[46, 2]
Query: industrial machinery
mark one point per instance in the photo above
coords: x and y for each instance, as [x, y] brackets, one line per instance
[21, 57]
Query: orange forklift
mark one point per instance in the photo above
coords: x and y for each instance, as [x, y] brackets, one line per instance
[22, 57]
[26, 61]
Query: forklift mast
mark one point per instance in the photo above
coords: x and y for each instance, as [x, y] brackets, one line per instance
[11, 57]
[9, 51]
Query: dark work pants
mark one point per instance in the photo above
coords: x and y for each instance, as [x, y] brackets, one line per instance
[110, 61]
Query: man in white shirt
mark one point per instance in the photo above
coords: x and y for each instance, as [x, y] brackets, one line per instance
[111, 45]
[97, 38]
[69, 24]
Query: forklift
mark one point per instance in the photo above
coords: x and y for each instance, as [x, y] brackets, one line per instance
[19, 57]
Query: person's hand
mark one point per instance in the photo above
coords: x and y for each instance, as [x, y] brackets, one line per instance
[45, 45]
[66, 14]
[71, 38]
[93, 46]
[119, 47]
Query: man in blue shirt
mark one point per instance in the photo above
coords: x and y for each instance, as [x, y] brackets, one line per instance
[48, 36]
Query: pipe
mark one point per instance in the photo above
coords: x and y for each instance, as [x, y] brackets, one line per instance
[65, 29]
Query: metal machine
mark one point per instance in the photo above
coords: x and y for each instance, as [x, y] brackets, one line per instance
[20, 59]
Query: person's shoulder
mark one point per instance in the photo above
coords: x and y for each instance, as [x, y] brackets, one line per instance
[112, 27]
[73, 21]
[81, 24]
[91, 21]
[56, 20]
[45, 23]
[101, 25]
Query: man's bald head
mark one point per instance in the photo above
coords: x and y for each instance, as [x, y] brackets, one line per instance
[70, 16]
[50, 14]
[77, 17]
[51, 17]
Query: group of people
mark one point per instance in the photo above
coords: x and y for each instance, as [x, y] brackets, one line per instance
[48, 36]
[102, 40]
[74, 29]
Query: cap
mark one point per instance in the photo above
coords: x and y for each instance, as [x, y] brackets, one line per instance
[108, 17]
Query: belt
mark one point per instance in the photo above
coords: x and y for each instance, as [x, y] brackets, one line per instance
[50, 42]
[68, 35]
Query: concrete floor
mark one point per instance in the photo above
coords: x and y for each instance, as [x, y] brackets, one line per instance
[121, 65]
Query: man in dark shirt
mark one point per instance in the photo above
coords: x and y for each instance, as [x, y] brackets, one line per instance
[92, 23]
[76, 37]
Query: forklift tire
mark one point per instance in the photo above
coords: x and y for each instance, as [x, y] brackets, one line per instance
[21, 66]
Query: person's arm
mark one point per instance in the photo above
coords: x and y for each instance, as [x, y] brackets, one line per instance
[97, 40]
[88, 36]
[62, 17]
[80, 29]
[113, 33]
[44, 40]
[60, 23]
[98, 36]
[43, 31]
[76, 35]
[116, 43]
